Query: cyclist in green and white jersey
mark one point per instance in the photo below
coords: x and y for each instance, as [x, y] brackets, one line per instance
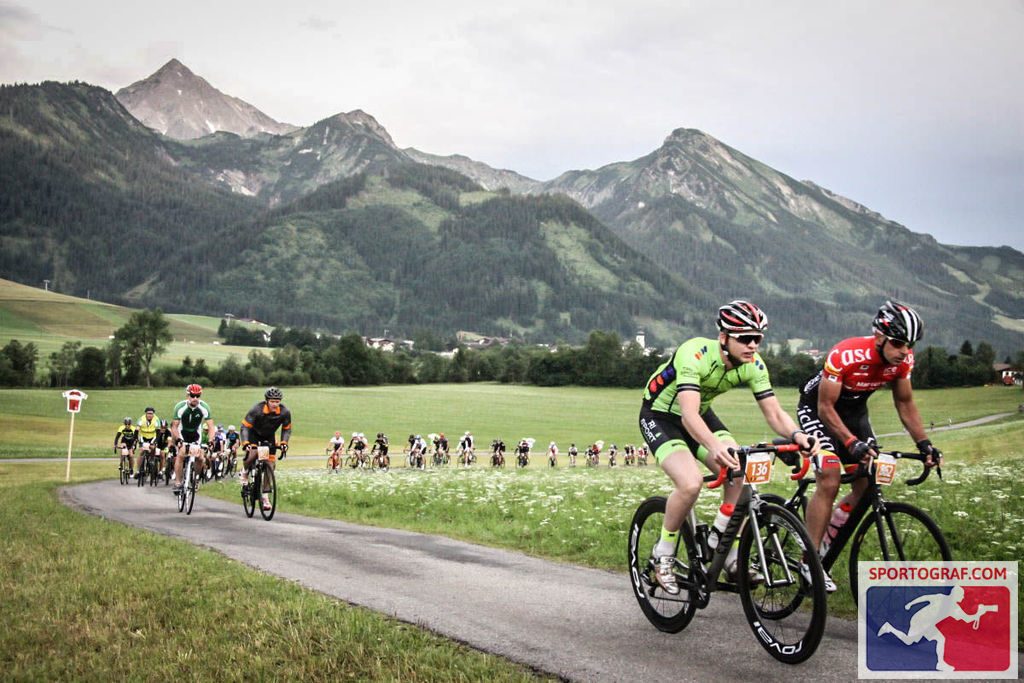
[680, 427]
[187, 420]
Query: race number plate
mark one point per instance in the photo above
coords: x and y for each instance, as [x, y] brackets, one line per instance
[263, 453]
[885, 469]
[759, 468]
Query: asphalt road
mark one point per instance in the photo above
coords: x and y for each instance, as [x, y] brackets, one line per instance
[576, 623]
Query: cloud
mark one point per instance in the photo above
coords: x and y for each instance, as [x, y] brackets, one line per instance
[315, 23]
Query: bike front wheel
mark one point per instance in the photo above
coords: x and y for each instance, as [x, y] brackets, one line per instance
[181, 493]
[668, 613]
[775, 576]
[905, 533]
[249, 499]
[192, 483]
[266, 484]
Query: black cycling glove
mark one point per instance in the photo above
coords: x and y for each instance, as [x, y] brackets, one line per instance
[858, 449]
[925, 447]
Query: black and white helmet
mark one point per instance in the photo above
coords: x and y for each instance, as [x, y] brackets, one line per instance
[273, 393]
[741, 316]
[898, 321]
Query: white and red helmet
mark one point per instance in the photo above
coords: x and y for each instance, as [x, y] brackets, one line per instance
[741, 316]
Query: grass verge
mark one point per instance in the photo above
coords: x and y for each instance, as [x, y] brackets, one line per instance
[74, 608]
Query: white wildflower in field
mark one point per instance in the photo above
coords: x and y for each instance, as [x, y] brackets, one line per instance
[959, 513]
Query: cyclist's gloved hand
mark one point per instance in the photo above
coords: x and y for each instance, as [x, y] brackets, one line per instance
[859, 449]
[723, 457]
[284, 449]
[925, 447]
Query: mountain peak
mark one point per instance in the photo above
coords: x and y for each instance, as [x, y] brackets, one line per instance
[173, 63]
[357, 119]
[182, 105]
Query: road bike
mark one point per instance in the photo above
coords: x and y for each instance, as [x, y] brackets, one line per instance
[380, 461]
[878, 530]
[497, 459]
[124, 467]
[230, 461]
[777, 569]
[190, 479]
[262, 482]
[149, 466]
[522, 459]
[440, 458]
[333, 459]
[169, 464]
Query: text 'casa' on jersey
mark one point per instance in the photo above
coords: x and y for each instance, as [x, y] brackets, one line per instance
[856, 364]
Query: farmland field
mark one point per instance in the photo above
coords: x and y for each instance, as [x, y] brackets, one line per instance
[49, 319]
[36, 424]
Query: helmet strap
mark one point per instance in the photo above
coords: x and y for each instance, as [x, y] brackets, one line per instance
[880, 347]
[733, 360]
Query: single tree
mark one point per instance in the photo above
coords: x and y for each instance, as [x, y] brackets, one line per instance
[146, 335]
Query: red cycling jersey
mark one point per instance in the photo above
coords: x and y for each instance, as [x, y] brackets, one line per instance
[856, 364]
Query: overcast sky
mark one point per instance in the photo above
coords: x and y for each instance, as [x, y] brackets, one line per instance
[912, 108]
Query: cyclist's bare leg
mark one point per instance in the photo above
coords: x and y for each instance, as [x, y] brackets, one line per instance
[681, 468]
[247, 463]
[179, 461]
[819, 508]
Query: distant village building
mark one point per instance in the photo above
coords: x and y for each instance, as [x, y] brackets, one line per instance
[382, 343]
[816, 354]
[1007, 374]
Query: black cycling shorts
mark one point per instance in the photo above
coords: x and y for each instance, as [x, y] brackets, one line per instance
[856, 421]
[664, 433]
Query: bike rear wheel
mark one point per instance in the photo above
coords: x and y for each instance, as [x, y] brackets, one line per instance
[668, 613]
[266, 484]
[790, 635]
[906, 533]
[249, 499]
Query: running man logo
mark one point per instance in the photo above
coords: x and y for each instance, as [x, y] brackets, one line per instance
[937, 628]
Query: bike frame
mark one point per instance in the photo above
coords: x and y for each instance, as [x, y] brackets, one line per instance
[747, 507]
[872, 499]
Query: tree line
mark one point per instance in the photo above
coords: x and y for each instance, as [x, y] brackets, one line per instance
[299, 356]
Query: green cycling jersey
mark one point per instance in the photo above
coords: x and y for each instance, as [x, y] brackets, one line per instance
[697, 366]
[192, 419]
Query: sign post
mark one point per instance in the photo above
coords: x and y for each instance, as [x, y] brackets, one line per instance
[74, 398]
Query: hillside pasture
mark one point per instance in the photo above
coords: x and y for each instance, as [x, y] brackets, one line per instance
[50, 319]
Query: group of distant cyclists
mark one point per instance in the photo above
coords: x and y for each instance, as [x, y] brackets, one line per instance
[435, 450]
[192, 433]
[681, 428]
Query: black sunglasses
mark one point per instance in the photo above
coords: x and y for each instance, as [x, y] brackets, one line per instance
[747, 339]
[899, 343]
[194, 395]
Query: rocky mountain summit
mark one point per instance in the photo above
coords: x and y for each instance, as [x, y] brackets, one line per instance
[184, 106]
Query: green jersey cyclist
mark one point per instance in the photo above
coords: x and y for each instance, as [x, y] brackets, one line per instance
[187, 420]
[680, 427]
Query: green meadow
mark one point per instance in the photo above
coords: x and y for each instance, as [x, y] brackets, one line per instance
[36, 422]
